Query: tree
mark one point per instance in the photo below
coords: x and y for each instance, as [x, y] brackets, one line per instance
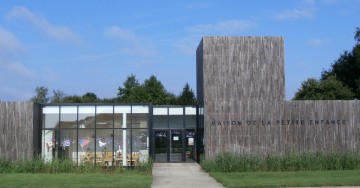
[347, 67]
[357, 35]
[72, 99]
[125, 93]
[58, 96]
[89, 98]
[41, 95]
[328, 89]
[187, 96]
[155, 91]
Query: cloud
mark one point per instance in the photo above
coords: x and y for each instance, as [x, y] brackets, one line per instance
[15, 68]
[10, 93]
[187, 46]
[120, 33]
[8, 42]
[295, 14]
[316, 42]
[137, 46]
[60, 33]
[228, 26]
[10, 48]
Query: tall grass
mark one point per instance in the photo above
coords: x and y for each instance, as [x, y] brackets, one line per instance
[67, 166]
[228, 162]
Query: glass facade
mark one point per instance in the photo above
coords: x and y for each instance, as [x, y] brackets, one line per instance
[118, 135]
[106, 135]
[174, 133]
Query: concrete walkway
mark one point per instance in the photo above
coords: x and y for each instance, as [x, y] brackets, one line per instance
[176, 175]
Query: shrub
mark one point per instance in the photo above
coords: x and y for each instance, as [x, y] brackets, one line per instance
[39, 165]
[228, 162]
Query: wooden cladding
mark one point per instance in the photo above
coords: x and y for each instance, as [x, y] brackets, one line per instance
[241, 85]
[280, 127]
[241, 68]
[16, 130]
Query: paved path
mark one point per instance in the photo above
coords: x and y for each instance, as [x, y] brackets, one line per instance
[177, 175]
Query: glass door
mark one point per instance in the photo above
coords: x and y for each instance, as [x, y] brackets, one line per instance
[169, 145]
[176, 146]
[161, 146]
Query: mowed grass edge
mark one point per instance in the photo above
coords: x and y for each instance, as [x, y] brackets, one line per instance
[289, 179]
[74, 180]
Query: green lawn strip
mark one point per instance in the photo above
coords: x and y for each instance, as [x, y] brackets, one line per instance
[289, 179]
[75, 180]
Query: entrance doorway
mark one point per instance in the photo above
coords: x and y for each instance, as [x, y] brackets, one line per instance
[174, 145]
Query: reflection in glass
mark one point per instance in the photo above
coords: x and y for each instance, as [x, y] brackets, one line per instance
[68, 117]
[160, 121]
[86, 116]
[86, 147]
[190, 151]
[190, 121]
[104, 117]
[48, 147]
[122, 116]
[104, 147]
[190, 117]
[50, 117]
[176, 118]
[139, 120]
[161, 146]
[140, 146]
[122, 146]
[87, 134]
[176, 146]
[176, 121]
[68, 144]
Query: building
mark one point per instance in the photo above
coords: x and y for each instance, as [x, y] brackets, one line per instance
[242, 109]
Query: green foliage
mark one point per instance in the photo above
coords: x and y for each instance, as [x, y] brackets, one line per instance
[357, 34]
[328, 89]
[126, 93]
[72, 99]
[58, 96]
[187, 96]
[341, 81]
[151, 91]
[155, 91]
[347, 68]
[89, 98]
[68, 166]
[41, 95]
[228, 162]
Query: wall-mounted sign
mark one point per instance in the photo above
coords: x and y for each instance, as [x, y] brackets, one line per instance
[190, 141]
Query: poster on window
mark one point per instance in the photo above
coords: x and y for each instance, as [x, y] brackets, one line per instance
[190, 141]
[175, 138]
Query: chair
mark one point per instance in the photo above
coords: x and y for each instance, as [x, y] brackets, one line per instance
[107, 158]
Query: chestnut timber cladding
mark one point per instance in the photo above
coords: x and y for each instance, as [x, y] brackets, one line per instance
[17, 137]
[241, 68]
[241, 83]
[279, 127]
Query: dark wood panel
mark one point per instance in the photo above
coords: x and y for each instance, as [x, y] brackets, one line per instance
[16, 130]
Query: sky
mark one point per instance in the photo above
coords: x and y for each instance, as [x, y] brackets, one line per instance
[93, 46]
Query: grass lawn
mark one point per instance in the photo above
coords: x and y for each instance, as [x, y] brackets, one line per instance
[289, 179]
[75, 180]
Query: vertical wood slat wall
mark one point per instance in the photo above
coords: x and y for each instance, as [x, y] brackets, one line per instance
[242, 79]
[16, 130]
